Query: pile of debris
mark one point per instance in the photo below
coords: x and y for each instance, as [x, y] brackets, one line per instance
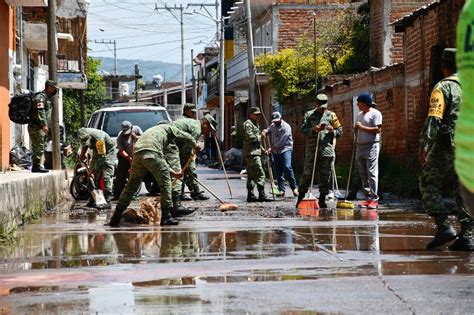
[148, 213]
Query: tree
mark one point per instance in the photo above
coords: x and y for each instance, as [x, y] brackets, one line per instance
[94, 97]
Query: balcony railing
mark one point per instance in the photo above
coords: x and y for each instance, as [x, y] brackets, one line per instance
[238, 67]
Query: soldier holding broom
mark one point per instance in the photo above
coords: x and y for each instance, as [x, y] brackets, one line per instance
[322, 123]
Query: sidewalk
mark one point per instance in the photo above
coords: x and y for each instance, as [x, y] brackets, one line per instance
[25, 195]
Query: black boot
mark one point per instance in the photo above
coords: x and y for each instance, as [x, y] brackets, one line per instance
[116, 217]
[108, 204]
[300, 197]
[199, 195]
[251, 196]
[444, 233]
[91, 203]
[185, 197]
[464, 241]
[322, 201]
[166, 218]
[262, 196]
[180, 211]
[352, 195]
[39, 169]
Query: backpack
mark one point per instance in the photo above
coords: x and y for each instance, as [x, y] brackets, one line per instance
[20, 108]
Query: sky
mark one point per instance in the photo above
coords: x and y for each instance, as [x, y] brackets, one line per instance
[141, 32]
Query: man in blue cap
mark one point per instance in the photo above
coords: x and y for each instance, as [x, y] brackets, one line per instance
[367, 128]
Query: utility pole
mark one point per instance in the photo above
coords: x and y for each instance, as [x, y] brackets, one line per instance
[315, 56]
[193, 79]
[137, 74]
[53, 69]
[221, 80]
[250, 54]
[115, 50]
[183, 67]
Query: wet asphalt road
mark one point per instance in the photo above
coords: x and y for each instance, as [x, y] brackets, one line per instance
[264, 258]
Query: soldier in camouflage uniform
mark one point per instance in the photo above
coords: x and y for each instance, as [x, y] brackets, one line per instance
[178, 153]
[319, 122]
[252, 154]
[104, 158]
[436, 155]
[38, 127]
[194, 128]
[149, 157]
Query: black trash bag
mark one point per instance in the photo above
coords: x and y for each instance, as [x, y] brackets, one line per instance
[20, 156]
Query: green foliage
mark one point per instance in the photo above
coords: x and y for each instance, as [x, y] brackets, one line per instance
[94, 97]
[338, 45]
[292, 72]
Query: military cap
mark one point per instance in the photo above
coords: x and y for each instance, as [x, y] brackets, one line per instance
[255, 110]
[82, 134]
[189, 106]
[322, 100]
[212, 122]
[163, 122]
[449, 55]
[52, 83]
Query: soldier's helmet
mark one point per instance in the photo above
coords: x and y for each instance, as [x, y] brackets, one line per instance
[189, 106]
[82, 134]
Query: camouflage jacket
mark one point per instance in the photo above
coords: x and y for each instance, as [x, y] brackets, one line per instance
[252, 144]
[188, 125]
[445, 101]
[93, 142]
[41, 110]
[157, 138]
[313, 118]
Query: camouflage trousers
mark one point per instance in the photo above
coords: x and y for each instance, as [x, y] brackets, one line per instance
[174, 163]
[255, 173]
[437, 175]
[190, 174]
[105, 167]
[323, 170]
[37, 140]
[142, 163]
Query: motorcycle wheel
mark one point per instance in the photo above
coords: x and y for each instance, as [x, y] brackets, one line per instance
[78, 187]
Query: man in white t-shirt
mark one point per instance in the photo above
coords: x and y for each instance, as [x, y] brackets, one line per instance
[367, 128]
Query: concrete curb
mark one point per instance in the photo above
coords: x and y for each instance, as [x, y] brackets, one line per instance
[24, 196]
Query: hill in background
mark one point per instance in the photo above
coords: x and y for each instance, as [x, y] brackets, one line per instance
[171, 72]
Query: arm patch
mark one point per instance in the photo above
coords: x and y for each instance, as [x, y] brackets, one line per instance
[437, 105]
[40, 105]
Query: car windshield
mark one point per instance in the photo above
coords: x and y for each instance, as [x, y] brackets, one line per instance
[143, 118]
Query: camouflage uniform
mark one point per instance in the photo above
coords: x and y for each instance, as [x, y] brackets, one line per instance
[252, 154]
[41, 117]
[326, 153]
[149, 157]
[192, 127]
[101, 163]
[437, 141]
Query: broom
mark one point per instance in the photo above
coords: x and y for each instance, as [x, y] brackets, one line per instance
[224, 205]
[343, 203]
[310, 202]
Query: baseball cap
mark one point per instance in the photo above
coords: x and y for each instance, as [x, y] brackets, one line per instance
[126, 127]
[365, 98]
[189, 106]
[52, 83]
[255, 110]
[276, 116]
[449, 55]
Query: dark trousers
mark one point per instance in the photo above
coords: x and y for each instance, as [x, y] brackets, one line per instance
[121, 175]
[283, 168]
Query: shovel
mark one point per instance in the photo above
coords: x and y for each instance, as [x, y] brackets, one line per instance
[97, 194]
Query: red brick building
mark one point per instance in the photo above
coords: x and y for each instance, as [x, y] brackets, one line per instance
[401, 90]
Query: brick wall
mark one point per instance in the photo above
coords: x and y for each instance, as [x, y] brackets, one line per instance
[401, 91]
[382, 13]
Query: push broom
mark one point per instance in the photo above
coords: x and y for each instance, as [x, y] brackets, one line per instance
[224, 205]
[343, 203]
[309, 202]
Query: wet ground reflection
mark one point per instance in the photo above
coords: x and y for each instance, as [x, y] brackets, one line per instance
[341, 233]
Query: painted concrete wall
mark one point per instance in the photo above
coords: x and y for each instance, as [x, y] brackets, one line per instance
[6, 54]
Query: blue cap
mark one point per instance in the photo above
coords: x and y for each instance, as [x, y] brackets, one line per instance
[365, 98]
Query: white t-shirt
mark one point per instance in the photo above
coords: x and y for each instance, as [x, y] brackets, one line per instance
[372, 118]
